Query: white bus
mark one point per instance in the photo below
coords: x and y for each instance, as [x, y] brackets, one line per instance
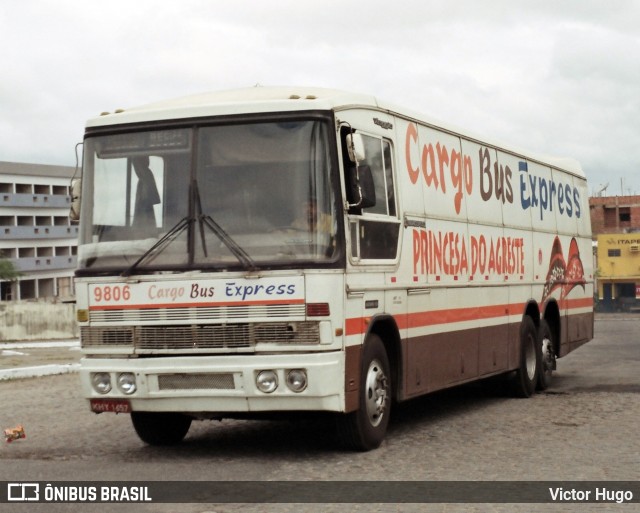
[309, 250]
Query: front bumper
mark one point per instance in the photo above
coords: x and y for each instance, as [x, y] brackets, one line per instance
[221, 384]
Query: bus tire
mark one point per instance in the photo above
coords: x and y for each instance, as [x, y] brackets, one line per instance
[526, 376]
[365, 428]
[547, 355]
[160, 428]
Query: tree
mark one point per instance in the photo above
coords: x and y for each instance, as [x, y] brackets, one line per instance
[8, 272]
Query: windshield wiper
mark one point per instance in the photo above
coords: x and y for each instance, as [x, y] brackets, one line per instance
[242, 256]
[205, 219]
[160, 245]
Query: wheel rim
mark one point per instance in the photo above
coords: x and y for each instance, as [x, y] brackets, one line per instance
[530, 357]
[376, 396]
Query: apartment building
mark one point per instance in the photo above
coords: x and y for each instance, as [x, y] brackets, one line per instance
[36, 234]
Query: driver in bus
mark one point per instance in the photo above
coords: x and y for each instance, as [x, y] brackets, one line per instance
[312, 220]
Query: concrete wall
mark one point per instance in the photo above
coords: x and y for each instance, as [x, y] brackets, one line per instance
[37, 320]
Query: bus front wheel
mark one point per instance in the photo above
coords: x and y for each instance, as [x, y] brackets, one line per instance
[365, 428]
[160, 428]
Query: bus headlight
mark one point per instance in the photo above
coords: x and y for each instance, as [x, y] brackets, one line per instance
[101, 382]
[297, 380]
[267, 381]
[127, 383]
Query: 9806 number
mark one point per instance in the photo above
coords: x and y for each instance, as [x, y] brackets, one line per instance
[112, 293]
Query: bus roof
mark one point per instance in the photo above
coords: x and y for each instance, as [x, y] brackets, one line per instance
[237, 101]
[289, 99]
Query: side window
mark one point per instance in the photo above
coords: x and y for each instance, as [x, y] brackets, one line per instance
[375, 230]
[378, 158]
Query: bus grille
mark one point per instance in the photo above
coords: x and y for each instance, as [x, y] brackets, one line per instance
[200, 381]
[201, 336]
[196, 314]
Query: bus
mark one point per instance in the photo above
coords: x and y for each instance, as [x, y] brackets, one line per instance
[299, 250]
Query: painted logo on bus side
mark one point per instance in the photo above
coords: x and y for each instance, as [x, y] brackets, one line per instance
[447, 170]
[197, 292]
[455, 254]
[564, 274]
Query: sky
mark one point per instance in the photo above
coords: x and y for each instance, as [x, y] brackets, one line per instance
[554, 77]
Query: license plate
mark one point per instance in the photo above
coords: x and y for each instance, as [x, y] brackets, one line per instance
[110, 405]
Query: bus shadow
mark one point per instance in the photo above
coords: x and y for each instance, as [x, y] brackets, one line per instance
[232, 438]
[316, 434]
[421, 411]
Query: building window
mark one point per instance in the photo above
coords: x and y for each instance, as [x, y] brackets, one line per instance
[613, 253]
[625, 215]
[27, 289]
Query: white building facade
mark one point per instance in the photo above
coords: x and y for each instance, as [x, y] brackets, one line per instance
[36, 234]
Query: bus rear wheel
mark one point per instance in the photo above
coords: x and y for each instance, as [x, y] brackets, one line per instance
[548, 355]
[365, 428]
[160, 428]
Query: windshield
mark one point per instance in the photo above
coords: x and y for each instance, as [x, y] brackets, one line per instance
[234, 196]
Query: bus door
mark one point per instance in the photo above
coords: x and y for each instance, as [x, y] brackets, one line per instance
[373, 226]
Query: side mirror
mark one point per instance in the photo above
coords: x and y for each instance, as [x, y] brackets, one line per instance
[362, 188]
[76, 187]
[355, 147]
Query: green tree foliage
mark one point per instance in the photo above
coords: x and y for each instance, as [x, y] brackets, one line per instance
[8, 272]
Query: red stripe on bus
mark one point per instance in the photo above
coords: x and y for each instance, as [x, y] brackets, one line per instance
[358, 325]
[197, 305]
